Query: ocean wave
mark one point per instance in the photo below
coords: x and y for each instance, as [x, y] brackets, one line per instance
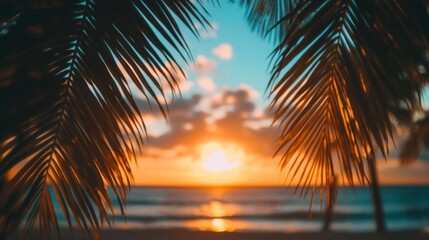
[187, 202]
[299, 215]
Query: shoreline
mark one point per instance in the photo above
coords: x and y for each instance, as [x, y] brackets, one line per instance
[184, 234]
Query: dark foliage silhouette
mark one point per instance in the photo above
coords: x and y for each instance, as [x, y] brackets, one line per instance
[68, 119]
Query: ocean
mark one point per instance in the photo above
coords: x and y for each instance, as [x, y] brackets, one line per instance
[268, 209]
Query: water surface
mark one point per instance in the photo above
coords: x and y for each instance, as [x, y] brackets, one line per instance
[275, 209]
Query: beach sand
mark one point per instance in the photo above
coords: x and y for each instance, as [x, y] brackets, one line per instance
[179, 234]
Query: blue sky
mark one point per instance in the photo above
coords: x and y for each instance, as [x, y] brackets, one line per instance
[249, 61]
[223, 108]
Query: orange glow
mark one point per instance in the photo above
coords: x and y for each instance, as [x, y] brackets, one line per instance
[216, 209]
[218, 162]
[215, 158]
[218, 225]
[217, 212]
[215, 225]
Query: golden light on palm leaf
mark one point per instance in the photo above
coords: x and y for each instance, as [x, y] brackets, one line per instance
[339, 70]
[71, 126]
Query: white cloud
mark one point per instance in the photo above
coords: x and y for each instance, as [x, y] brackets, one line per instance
[251, 91]
[179, 76]
[203, 65]
[210, 32]
[185, 86]
[223, 51]
[165, 76]
[206, 83]
[207, 32]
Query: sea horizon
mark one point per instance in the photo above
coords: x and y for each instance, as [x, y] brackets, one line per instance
[267, 209]
[271, 186]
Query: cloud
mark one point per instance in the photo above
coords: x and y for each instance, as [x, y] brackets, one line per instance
[231, 118]
[252, 92]
[223, 51]
[174, 73]
[206, 83]
[170, 77]
[203, 66]
[210, 32]
[190, 126]
[183, 105]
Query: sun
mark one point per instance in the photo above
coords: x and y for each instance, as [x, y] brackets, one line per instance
[217, 162]
[215, 159]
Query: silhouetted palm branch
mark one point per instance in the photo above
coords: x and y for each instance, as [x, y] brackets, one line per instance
[416, 141]
[418, 138]
[68, 118]
[340, 71]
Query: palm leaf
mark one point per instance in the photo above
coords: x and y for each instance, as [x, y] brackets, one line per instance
[339, 72]
[264, 15]
[69, 124]
[417, 140]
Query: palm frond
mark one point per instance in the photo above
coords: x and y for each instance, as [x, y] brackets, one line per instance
[417, 140]
[69, 125]
[340, 70]
[264, 15]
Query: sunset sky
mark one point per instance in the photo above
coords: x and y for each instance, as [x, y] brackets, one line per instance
[218, 132]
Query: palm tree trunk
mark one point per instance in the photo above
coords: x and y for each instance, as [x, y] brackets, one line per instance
[332, 197]
[376, 196]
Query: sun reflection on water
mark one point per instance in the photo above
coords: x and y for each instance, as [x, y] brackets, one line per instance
[218, 225]
[214, 225]
[216, 211]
